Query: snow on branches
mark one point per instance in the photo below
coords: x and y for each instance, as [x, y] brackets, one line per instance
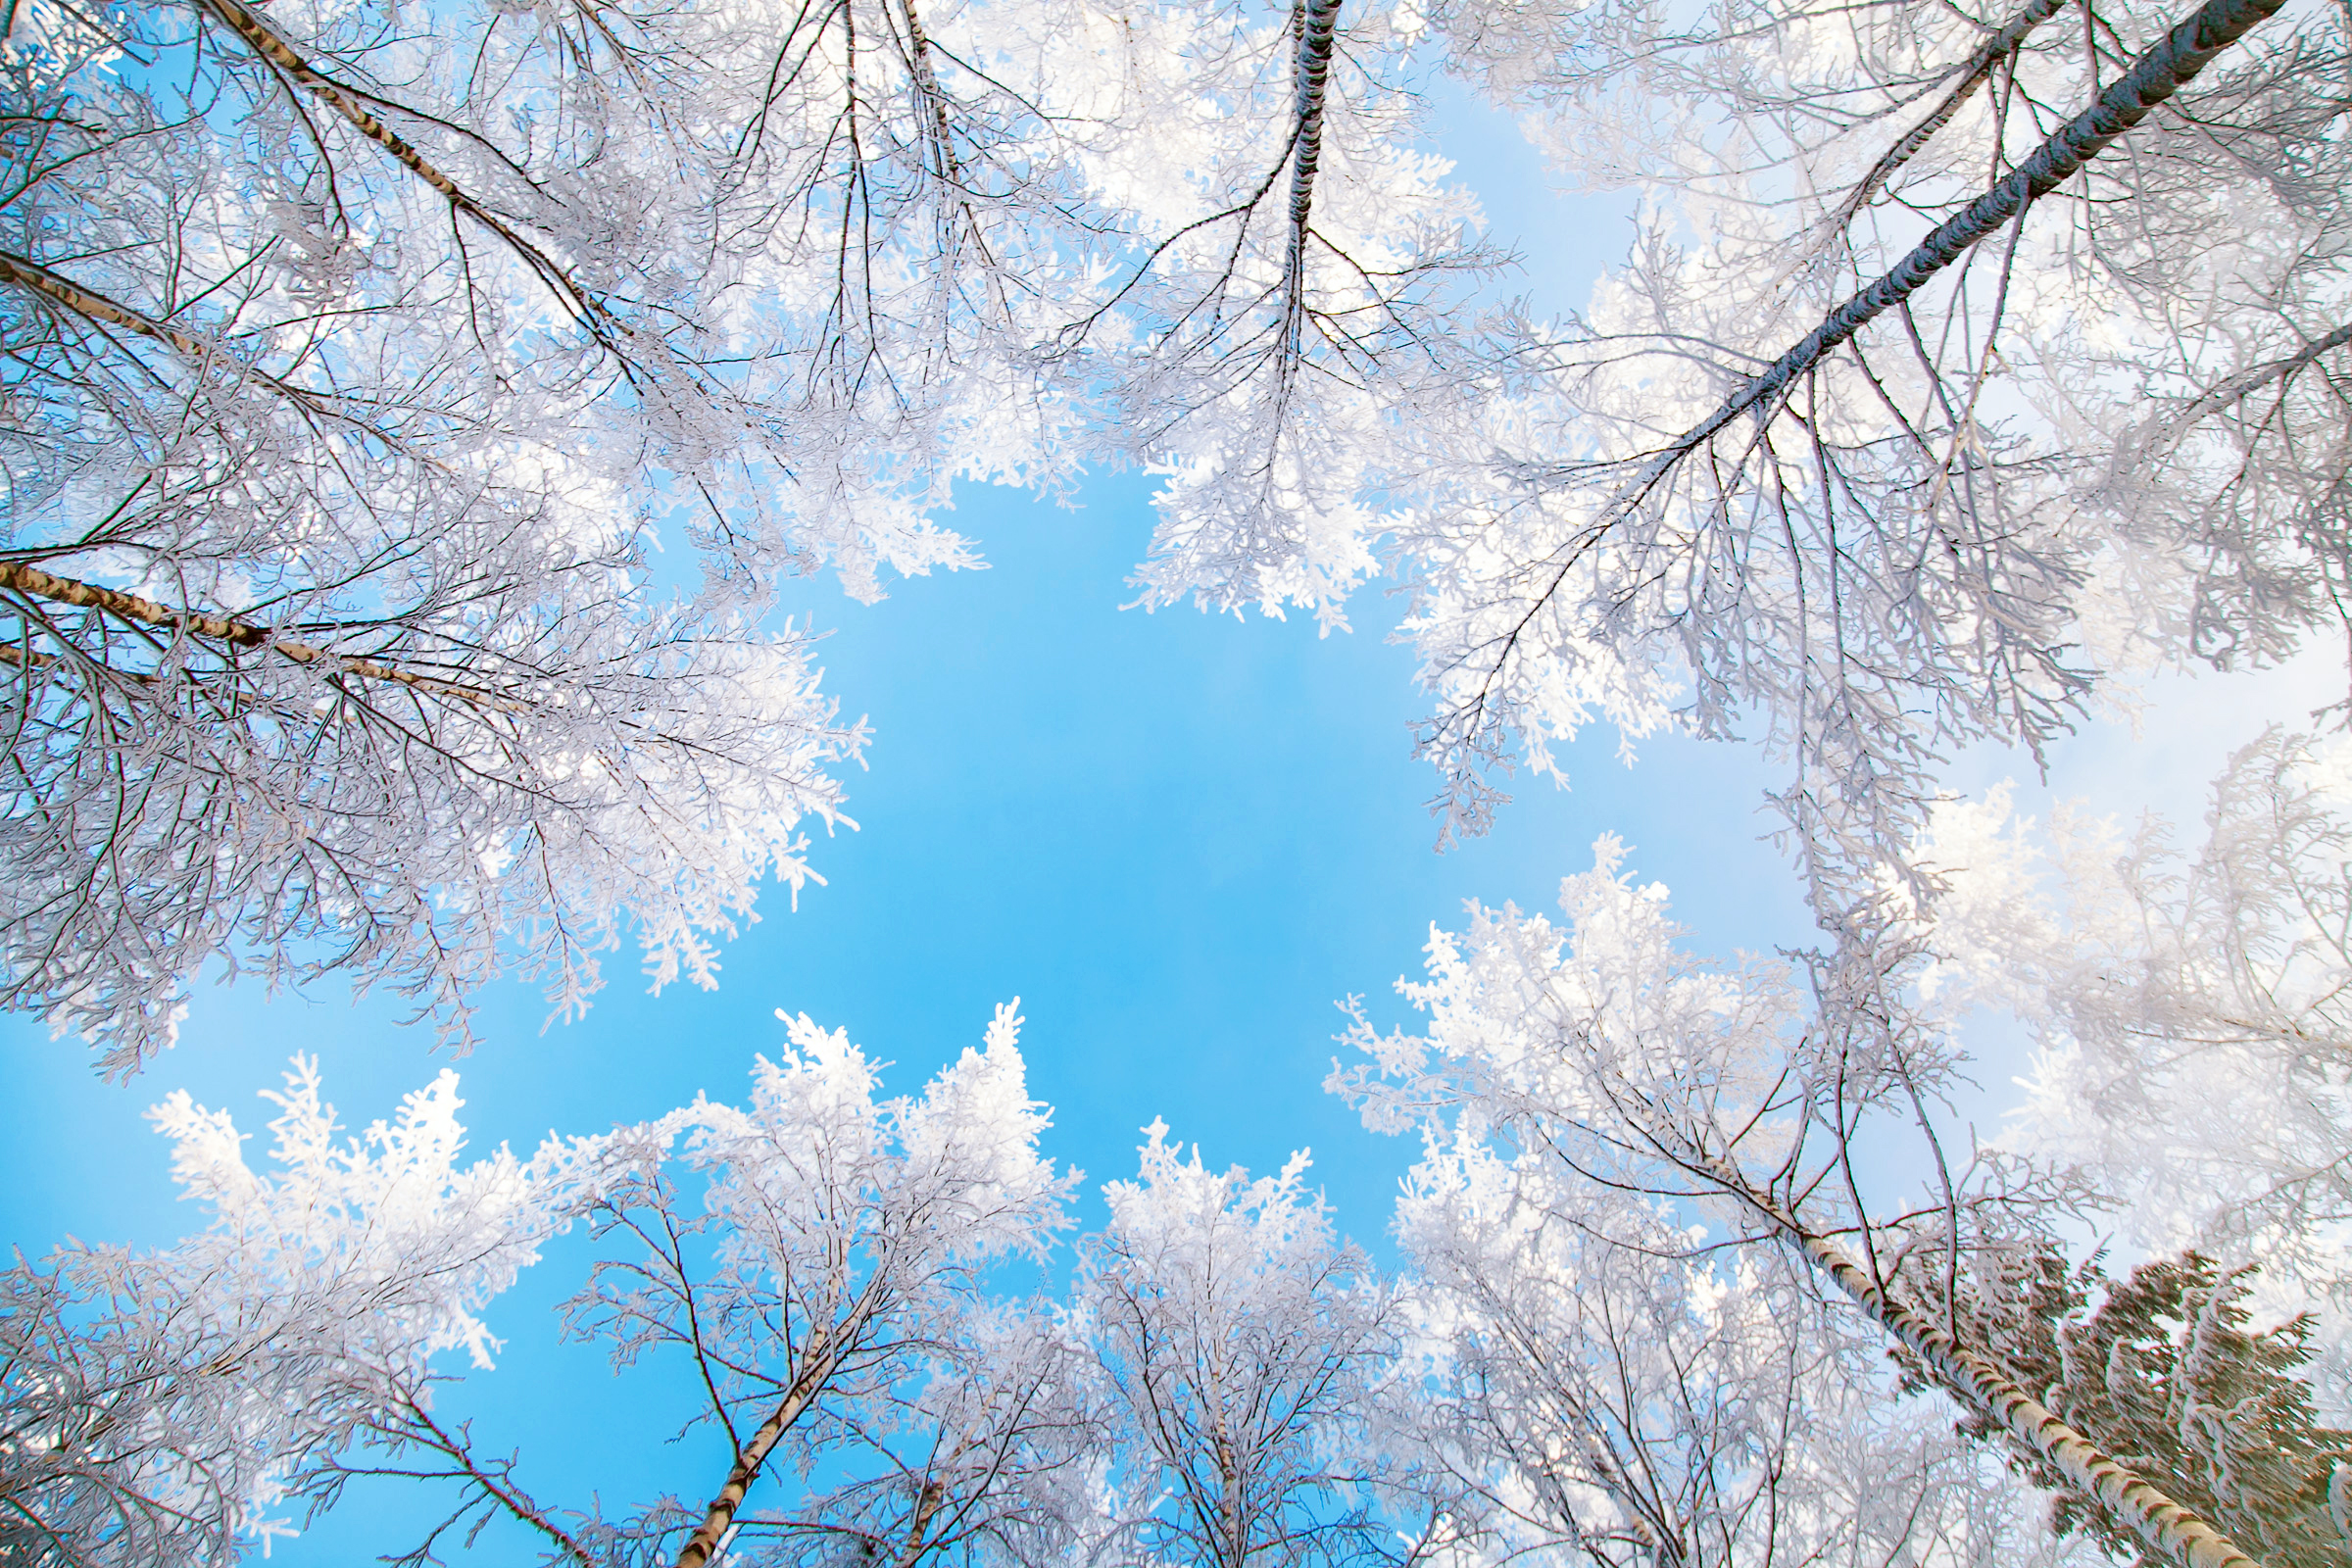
[1241, 1342]
[2190, 1011]
[1596, 1102]
[1962, 358]
[817, 1271]
[1615, 1340]
[367, 354]
[168, 1407]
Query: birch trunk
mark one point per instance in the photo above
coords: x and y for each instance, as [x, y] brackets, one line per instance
[2154, 77]
[816, 1373]
[2160, 1521]
[19, 577]
[1316, 29]
[825, 1356]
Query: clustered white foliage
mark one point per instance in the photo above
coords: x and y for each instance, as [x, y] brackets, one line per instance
[1240, 1342]
[362, 354]
[1742, 492]
[367, 349]
[821, 1265]
[172, 1406]
[367, 353]
[1600, 1353]
[1620, 1144]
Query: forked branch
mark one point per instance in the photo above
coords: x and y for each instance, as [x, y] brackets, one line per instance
[824, 1358]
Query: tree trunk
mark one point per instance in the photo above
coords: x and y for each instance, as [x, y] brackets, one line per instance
[918, 1537]
[1317, 25]
[2158, 1519]
[2154, 77]
[823, 1360]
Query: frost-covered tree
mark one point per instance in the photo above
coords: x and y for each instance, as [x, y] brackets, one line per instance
[365, 353]
[1734, 1099]
[331, 645]
[1605, 1387]
[173, 1407]
[812, 1266]
[1963, 354]
[1612, 1347]
[1998, 353]
[1239, 1340]
[822, 1277]
[365, 350]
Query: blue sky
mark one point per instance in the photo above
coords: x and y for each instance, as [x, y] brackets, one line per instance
[1178, 839]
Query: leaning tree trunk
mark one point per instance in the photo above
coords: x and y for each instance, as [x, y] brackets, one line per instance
[2158, 1519]
[2158, 74]
[17, 576]
[824, 1355]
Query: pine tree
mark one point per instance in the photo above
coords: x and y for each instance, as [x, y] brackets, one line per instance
[2168, 1374]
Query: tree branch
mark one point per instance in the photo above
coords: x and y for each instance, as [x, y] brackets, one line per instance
[1997, 48]
[265, 42]
[459, 1448]
[2154, 78]
[21, 577]
[93, 306]
[2236, 387]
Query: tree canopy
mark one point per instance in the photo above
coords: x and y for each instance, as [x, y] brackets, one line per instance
[418, 416]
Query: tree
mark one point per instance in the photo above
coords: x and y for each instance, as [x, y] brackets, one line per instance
[164, 1408]
[363, 354]
[1961, 359]
[1608, 1388]
[1720, 1092]
[365, 351]
[840, 1309]
[817, 1280]
[1612, 1348]
[332, 645]
[1241, 1343]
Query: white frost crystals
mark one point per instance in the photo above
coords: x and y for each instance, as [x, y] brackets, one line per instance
[2190, 1010]
[367, 353]
[1240, 1341]
[1704, 1150]
[1654, 1278]
[817, 1256]
[164, 1407]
